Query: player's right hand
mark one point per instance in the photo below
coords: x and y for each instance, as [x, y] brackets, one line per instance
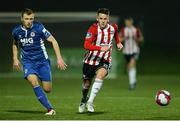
[61, 64]
[104, 48]
[17, 65]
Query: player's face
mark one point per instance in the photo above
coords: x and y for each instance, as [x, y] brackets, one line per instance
[128, 23]
[27, 20]
[103, 20]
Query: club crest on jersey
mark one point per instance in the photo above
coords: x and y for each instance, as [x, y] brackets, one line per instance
[88, 35]
[32, 34]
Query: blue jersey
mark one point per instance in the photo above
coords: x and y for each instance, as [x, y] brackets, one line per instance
[32, 41]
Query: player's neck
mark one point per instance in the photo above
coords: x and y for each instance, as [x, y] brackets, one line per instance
[26, 28]
[103, 27]
[130, 26]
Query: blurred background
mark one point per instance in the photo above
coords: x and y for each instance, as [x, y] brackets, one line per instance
[69, 20]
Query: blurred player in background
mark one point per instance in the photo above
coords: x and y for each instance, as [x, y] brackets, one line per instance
[131, 37]
[30, 36]
[97, 61]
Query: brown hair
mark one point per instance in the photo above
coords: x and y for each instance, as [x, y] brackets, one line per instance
[27, 11]
[103, 10]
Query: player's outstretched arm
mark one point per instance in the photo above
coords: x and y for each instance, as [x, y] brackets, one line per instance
[117, 38]
[139, 36]
[61, 64]
[121, 35]
[88, 45]
[16, 62]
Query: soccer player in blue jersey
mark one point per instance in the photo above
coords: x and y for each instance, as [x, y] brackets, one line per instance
[30, 37]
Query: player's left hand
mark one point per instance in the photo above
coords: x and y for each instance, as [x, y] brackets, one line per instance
[119, 46]
[61, 64]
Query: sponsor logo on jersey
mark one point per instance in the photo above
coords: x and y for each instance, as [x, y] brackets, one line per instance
[26, 41]
[88, 35]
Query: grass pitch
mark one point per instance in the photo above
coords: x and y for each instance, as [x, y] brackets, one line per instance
[114, 102]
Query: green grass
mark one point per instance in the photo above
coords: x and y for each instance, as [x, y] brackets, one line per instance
[115, 101]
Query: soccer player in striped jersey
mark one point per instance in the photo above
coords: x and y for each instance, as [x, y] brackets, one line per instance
[97, 61]
[131, 36]
[30, 37]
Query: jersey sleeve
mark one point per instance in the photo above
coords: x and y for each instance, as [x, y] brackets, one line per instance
[121, 34]
[44, 32]
[116, 34]
[138, 33]
[90, 38]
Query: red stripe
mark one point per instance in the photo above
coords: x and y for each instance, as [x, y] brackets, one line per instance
[109, 55]
[95, 38]
[89, 57]
[102, 40]
[109, 37]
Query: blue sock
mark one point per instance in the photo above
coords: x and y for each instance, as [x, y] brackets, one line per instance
[42, 97]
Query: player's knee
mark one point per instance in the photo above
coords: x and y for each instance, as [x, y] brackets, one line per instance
[33, 80]
[47, 89]
[101, 73]
[132, 62]
[101, 76]
[34, 83]
[86, 84]
[131, 65]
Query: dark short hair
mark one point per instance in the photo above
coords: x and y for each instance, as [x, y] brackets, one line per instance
[103, 10]
[128, 18]
[27, 11]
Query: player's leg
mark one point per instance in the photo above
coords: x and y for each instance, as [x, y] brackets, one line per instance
[41, 96]
[132, 73]
[100, 75]
[88, 74]
[44, 73]
[85, 89]
[47, 86]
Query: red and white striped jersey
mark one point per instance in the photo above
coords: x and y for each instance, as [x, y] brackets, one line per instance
[130, 35]
[96, 38]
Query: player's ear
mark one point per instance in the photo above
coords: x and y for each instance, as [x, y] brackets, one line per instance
[97, 18]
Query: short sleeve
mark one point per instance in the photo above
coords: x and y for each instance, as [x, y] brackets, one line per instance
[91, 33]
[44, 31]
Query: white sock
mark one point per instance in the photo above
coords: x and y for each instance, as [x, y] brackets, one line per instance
[95, 89]
[132, 76]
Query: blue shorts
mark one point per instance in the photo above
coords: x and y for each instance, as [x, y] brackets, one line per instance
[41, 69]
